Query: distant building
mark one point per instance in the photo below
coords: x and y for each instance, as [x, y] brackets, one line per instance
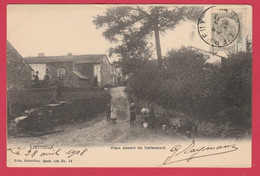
[77, 80]
[120, 77]
[76, 70]
[19, 73]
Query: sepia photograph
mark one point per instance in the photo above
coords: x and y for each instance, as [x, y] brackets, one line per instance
[155, 85]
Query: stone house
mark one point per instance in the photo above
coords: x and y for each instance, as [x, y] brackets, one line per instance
[19, 73]
[76, 79]
[76, 70]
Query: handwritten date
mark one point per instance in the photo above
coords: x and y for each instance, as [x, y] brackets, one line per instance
[22, 151]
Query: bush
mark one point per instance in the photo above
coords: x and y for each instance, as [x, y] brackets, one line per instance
[145, 83]
[204, 91]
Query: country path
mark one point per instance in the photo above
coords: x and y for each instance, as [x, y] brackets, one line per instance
[98, 131]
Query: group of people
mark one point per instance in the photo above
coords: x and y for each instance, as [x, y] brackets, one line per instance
[47, 80]
[148, 115]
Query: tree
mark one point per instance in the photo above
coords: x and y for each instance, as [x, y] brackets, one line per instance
[133, 53]
[184, 83]
[142, 21]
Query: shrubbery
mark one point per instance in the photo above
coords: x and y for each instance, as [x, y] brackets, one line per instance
[208, 92]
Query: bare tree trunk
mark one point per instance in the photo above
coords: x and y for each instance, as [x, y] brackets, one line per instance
[158, 46]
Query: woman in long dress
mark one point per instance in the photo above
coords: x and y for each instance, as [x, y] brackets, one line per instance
[132, 114]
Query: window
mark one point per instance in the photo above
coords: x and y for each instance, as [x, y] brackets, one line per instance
[61, 72]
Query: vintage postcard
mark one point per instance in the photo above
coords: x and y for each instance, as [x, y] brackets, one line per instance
[163, 85]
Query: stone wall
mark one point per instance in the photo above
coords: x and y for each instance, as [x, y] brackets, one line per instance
[72, 80]
[84, 83]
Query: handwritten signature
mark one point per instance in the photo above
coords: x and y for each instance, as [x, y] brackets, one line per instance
[22, 151]
[191, 152]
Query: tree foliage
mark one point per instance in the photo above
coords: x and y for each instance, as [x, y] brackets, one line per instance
[189, 85]
[140, 21]
[133, 53]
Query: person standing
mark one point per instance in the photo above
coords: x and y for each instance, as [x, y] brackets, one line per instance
[132, 114]
[145, 114]
[59, 86]
[36, 80]
[113, 114]
[108, 112]
[47, 78]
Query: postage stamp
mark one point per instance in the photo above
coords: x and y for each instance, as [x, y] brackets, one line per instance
[129, 85]
[219, 26]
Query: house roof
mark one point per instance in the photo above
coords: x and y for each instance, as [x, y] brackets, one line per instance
[79, 75]
[89, 58]
[18, 71]
[15, 53]
[204, 51]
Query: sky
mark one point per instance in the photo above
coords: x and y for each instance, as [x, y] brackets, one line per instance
[62, 29]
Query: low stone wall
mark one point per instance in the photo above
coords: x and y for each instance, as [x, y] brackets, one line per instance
[43, 118]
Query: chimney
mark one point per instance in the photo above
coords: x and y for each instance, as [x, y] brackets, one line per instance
[69, 54]
[40, 54]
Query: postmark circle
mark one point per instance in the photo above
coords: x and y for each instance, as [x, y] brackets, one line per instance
[218, 27]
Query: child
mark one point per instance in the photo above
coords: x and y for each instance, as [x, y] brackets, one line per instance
[145, 114]
[132, 114]
[108, 112]
[113, 114]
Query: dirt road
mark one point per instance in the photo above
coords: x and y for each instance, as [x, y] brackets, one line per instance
[99, 132]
